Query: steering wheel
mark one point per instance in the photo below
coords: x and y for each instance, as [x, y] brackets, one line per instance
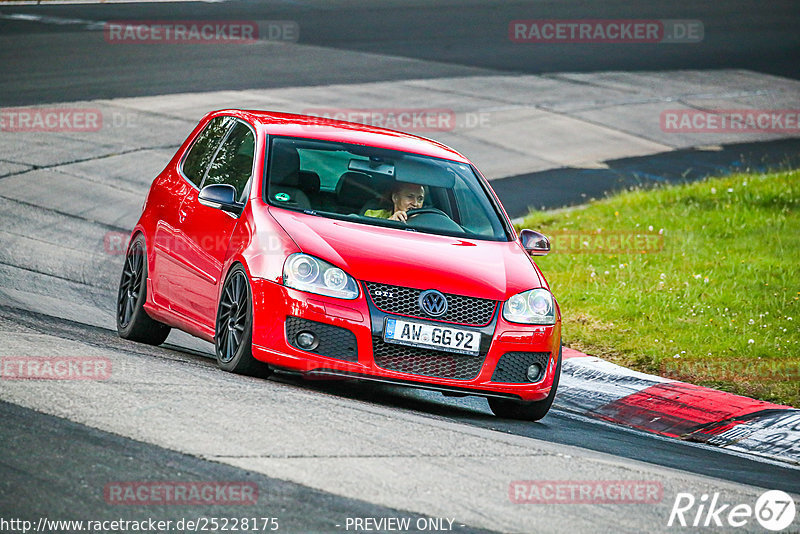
[422, 211]
[432, 218]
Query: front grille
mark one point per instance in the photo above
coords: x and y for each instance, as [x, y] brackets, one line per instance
[425, 362]
[405, 301]
[334, 342]
[513, 366]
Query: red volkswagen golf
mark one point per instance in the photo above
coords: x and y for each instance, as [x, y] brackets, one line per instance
[337, 249]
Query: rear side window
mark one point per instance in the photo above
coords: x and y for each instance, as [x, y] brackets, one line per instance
[203, 149]
[233, 163]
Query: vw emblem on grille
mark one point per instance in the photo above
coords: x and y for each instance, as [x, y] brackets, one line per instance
[433, 303]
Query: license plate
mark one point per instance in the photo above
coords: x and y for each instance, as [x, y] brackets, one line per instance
[431, 336]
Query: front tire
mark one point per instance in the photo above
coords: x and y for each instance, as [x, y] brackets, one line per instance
[133, 323]
[233, 333]
[527, 411]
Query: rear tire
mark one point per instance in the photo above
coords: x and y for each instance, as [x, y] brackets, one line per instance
[133, 323]
[527, 411]
[233, 333]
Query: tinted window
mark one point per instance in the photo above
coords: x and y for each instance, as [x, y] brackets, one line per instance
[199, 156]
[233, 163]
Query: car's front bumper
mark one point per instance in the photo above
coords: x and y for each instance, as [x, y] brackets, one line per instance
[351, 344]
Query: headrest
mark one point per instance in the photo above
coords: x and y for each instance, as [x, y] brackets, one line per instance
[309, 182]
[285, 166]
[356, 189]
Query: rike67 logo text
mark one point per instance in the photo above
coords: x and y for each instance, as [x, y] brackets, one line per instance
[774, 510]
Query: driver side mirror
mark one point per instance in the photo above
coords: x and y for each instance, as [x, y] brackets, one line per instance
[534, 243]
[221, 197]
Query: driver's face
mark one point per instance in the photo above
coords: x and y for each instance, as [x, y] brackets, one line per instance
[408, 197]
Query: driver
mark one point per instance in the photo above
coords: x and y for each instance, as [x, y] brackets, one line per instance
[404, 197]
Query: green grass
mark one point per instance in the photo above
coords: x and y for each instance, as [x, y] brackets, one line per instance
[715, 302]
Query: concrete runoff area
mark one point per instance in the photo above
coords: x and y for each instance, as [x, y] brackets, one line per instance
[507, 125]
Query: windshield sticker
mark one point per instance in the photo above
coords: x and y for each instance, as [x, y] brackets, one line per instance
[282, 197]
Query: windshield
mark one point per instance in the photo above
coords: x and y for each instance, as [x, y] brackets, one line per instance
[380, 187]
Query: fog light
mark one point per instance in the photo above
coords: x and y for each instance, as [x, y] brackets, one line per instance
[535, 372]
[306, 340]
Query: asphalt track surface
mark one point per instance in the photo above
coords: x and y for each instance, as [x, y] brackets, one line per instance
[358, 41]
[69, 462]
[556, 188]
[54, 466]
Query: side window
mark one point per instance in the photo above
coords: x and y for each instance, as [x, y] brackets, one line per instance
[203, 149]
[233, 163]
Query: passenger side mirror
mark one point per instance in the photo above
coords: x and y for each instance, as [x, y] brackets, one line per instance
[222, 197]
[534, 243]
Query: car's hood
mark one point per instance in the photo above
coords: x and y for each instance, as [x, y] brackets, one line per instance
[486, 269]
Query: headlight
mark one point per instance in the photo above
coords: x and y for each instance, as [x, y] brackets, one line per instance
[313, 275]
[530, 307]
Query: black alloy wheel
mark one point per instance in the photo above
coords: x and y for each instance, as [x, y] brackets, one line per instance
[133, 323]
[233, 334]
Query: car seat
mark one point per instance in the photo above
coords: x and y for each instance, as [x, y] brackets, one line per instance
[285, 179]
[355, 190]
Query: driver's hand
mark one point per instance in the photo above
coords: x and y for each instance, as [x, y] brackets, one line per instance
[401, 216]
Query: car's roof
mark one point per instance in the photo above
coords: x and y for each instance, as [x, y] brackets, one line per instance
[305, 126]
